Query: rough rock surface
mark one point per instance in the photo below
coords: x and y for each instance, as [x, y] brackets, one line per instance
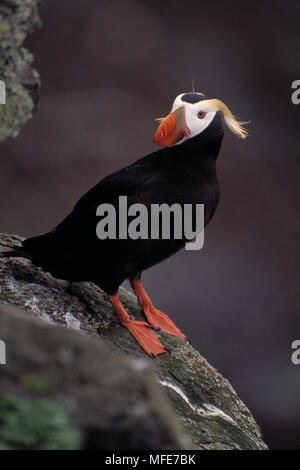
[206, 406]
[18, 18]
[115, 400]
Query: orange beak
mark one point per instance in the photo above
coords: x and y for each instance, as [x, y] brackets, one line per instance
[172, 128]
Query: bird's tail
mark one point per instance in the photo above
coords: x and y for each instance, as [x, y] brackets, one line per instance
[15, 253]
[31, 248]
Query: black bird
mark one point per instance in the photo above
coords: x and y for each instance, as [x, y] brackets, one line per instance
[183, 172]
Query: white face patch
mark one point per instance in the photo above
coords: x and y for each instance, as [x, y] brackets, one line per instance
[196, 121]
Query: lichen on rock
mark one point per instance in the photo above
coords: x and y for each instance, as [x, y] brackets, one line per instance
[18, 18]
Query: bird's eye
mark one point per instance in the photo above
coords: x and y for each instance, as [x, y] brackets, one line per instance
[201, 115]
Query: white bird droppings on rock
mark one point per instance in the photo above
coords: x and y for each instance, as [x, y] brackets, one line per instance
[206, 410]
[72, 322]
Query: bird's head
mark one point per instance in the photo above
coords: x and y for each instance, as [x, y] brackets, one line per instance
[190, 115]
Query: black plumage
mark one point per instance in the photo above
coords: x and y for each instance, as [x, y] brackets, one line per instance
[181, 174]
[184, 173]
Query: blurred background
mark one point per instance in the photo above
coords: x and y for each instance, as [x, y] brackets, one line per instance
[108, 69]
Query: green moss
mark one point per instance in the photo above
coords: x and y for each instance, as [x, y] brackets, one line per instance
[36, 425]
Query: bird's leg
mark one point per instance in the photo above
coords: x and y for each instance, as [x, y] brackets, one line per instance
[155, 317]
[141, 331]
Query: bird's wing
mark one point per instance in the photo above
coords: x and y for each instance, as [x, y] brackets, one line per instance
[125, 182]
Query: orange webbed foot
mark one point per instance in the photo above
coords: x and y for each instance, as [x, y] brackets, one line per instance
[145, 336]
[156, 318]
[141, 331]
[161, 321]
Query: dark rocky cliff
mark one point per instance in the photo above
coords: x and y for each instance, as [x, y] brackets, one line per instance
[117, 395]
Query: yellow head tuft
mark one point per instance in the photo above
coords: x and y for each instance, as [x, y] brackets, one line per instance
[233, 124]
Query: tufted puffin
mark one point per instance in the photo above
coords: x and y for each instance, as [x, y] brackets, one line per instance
[182, 171]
